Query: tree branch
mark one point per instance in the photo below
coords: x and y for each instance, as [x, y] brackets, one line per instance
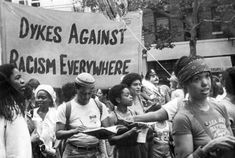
[201, 2]
[195, 8]
[175, 16]
[197, 25]
[219, 21]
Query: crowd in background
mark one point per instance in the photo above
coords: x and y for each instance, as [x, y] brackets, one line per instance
[192, 116]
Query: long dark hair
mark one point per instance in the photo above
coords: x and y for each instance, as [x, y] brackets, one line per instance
[11, 100]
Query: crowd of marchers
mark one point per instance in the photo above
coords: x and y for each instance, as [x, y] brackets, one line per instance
[191, 117]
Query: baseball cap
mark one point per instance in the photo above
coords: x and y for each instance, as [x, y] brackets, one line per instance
[85, 79]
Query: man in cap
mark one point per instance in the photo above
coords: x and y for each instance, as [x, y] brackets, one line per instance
[84, 114]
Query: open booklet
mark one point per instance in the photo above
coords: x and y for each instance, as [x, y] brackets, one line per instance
[137, 124]
[102, 132]
[145, 123]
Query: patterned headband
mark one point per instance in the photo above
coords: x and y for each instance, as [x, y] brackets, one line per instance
[194, 67]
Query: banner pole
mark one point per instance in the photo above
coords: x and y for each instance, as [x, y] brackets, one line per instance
[1, 56]
[145, 48]
[2, 35]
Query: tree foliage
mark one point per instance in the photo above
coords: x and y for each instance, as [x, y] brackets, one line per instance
[188, 12]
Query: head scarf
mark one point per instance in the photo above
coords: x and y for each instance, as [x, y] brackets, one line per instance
[49, 89]
[193, 68]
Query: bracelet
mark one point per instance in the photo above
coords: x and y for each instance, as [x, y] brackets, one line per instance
[199, 153]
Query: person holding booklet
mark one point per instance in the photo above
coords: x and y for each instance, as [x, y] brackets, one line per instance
[85, 113]
[159, 146]
[125, 141]
[201, 127]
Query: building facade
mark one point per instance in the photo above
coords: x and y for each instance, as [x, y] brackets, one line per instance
[215, 40]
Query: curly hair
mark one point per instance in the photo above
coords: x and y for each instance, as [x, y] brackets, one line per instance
[116, 92]
[11, 100]
[130, 78]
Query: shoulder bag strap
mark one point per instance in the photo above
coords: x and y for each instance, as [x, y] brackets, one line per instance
[100, 107]
[201, 123]
[115, 114]
[203, 126]
[61, 144]
[67, 114]
[5, 132]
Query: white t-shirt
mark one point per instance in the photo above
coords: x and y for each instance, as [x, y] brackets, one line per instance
[171, 108]
[87, 115]
[178, 93]
[16, 135]
[46, 127]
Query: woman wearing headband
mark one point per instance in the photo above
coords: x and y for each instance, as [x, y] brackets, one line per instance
[200, 128]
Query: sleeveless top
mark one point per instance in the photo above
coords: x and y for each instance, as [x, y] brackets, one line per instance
[131, 140]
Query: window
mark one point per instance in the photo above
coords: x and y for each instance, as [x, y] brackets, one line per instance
[162, 23]
[216, 26]
[35, 3]
[162, 27]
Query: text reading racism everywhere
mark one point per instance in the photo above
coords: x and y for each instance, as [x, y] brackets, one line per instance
[77, 35]
[41, 65]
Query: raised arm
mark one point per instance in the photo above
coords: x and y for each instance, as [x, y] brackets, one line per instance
[167, 112]
[159, 115]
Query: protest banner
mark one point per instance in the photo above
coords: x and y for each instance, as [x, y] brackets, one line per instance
[55, 46]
